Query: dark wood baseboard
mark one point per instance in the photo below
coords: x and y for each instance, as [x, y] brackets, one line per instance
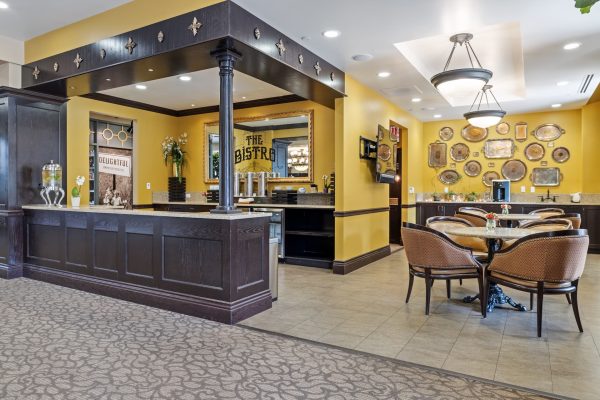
[142, 206]
[345, 267]
[10, 271]
[341, 214]
[215, 310]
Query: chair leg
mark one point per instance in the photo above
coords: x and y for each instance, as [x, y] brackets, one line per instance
[411, 279]
[540, 303]
[460, 281]
[576, 308]
[569, 298]
[448, 288]
[530, 301]
[482, 294]
[428, 282]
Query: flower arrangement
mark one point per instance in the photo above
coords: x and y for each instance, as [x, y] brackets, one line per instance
[505, 208]
[76, 191]
[491, 216]
[491, 220]
[172, 149]
[326, 184]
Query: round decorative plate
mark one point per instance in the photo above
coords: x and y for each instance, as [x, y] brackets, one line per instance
[384, 152]
[446, 133]
[490, 176]
[514, 170]
[459, 152]
[474, 134]
[561, 154]
[449, 177]
[503, 128]
[534, 152]
[472, 168]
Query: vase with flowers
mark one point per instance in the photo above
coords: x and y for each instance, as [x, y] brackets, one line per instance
[174, 153]
[76, 192]
[490, 221]
[505, 208]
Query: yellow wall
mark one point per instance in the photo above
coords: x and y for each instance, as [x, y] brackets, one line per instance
[127, 17]
[590, 125]
[357, 115]
[569, 120]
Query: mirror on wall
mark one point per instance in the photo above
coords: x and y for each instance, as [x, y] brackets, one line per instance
[280, 144]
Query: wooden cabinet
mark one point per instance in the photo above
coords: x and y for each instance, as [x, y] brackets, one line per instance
[591, 222]
[309, 237]
[184, 207]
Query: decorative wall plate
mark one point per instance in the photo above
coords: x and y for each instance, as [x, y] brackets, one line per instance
[503, 128]
[472, 168]
[446, 133]
[459, 152]
[545, 177]
[474, 134]
[548, 132]
[514, 170]
[449, 177]
[490, 176]
[561, 154]
[437, 155]
[521, 131]
[534, 152]
[384, 152]
[499, 148]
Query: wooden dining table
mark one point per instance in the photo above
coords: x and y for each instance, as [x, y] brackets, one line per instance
[510, 218]
[494, 238]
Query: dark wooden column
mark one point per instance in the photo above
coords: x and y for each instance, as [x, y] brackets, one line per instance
[11, 244]
[226, 59]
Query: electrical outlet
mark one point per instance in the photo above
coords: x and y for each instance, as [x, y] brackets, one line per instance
[532, 189]
[446, 189]
[411, 190]
[148, 186]
[523, 189]
[188, 195]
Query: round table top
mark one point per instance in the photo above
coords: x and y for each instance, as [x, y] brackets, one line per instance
[519, 217]
[496, 233]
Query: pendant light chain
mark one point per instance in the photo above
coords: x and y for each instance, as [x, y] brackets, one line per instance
[450, 57]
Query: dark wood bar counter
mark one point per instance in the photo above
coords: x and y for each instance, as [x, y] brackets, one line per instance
[213, 266]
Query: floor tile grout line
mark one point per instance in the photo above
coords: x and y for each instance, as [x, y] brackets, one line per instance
[501, 343]
[456, 340]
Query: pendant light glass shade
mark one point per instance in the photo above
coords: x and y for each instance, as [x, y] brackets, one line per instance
[485, 118]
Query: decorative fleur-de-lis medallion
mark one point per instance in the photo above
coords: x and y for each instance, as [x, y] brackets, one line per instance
[36, 73]
[332, 76]
[281, 47]
[160, 37]
[130, 45]
[300, 58]
[102, 54]
[56, 67]
[317, 68]
[78, 60]
[257, 33]
[195, 26]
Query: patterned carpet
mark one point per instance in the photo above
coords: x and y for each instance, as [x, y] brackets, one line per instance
[58, 343]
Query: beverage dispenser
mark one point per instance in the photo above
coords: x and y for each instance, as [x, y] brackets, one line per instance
[501, 190]
[52, 184]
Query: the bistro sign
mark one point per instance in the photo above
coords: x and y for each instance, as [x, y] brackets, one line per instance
[114, 164]
[254, 149]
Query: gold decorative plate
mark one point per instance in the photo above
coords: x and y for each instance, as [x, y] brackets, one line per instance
[514, 170]
[459, 152]
[446, 133]
[503, 128]
[490, 176]
[534, 152]
[474, 134]
[561, 154]
[548, 132]
[472, 168]
[384, 152]
[449, 177]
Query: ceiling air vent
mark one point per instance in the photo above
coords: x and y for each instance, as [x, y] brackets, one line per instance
[585, 84]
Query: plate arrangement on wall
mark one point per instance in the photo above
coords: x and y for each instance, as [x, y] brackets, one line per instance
[446, 133]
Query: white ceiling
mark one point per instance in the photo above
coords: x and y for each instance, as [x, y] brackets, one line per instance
[25, 19]
[201, 91]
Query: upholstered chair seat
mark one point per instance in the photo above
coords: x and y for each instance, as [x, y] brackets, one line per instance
[548, 212]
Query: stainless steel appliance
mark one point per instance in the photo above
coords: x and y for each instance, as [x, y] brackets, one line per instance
[276, 226]
[249, 189]
[261, 190]
[237, 180]
[501, 190]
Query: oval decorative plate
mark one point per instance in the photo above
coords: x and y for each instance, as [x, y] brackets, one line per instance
[472, 168]
[385, 152]
[459, 152]
[474, 134]
[503, 128]
[534, 152]
[548, 132]
[514, 170]
[561, 154]
[449, 177]
[490, 176]
[446, 133]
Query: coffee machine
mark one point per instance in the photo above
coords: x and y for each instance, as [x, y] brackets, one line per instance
[501, 190]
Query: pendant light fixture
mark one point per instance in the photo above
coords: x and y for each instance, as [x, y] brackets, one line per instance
[488, 117]
[458, 83]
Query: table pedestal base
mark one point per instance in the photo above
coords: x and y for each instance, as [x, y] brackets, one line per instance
[496, 297]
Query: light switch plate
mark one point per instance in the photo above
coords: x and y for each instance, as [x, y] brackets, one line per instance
[532, 189]
[523, 189]
[148, 186]
[188, 195]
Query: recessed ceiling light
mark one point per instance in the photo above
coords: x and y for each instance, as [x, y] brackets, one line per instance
[383, 74]
[108, 79]
[141, 87]
[150, 69]
[243, 97]
[185, 78]
[437, 116]
[562, 83]
[572, 46]
[416, 99]
[3, 5]
[193, 105]
[331, 34]
[362, 57]
[557, 105]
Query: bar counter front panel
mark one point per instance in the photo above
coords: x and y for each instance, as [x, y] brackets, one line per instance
[214, 268]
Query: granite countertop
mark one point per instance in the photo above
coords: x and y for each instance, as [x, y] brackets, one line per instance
[258, 205]
[150, 213]
[528, 203]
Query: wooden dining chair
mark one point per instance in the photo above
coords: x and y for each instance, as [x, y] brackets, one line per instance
[548, 225]
[545, 263]
[473, 210]
[548, 212]
[443, 224]
[575, 219]
[475, 219]
[432, 255]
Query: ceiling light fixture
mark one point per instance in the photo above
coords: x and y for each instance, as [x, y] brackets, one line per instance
[557, 105]
[462, 81]
[243, 97]
[362, 57]
[437, 116]
[562, 83]
[150, 69]
[141, 87]
[330, 34]
[108, 79]
[185, 78]
[193, 105]
[572, 46]
[485, 118]
[384, 74]
[416, 99]
[3, 5]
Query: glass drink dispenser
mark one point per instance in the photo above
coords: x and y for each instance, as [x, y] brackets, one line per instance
[52, 184]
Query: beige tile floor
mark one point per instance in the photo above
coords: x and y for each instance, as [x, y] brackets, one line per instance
[365, 310]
